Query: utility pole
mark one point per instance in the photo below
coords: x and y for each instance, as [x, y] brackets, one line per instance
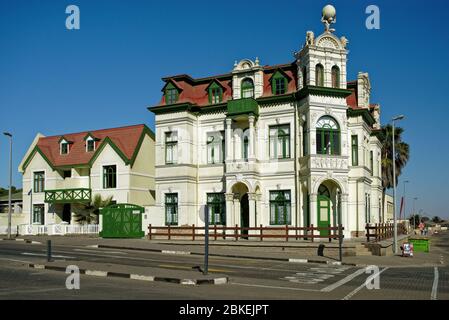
[395, 246]
[405, 200]
[10, 183]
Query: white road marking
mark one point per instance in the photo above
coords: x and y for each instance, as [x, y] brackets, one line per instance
[343, 281]
[363, 285]
[44, 255]
[271, 287]
[96, 251]
[433, 296]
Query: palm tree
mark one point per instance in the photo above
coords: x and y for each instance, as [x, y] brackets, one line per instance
[401, 157]
[92, 211]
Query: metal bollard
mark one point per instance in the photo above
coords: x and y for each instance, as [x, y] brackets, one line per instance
[49, 259]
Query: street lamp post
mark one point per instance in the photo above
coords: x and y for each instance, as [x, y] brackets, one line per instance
[10, 183]
[405, 200]
[395, 247]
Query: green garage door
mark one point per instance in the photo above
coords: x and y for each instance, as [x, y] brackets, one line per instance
[122, 221]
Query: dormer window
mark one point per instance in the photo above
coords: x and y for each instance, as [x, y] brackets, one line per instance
[247, 88]
[278, 84]
[215, 93]
[171, 94]
[90, 145]
[64, 147]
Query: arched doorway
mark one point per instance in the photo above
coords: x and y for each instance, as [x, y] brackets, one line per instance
[244, 213]
[329, 199]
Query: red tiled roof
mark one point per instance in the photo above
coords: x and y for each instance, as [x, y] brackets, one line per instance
[125, 138]
[195, 91]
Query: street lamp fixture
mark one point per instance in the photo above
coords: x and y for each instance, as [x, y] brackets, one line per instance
[10, 183]
[395, 245]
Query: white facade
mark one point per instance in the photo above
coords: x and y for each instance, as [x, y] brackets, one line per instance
[251, 175]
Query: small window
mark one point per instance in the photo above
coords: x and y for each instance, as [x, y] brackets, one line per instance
[39, 182]
[171, 94]
[215, 147]
[64, 147]
[171, 147]
[280, 208]
[216, 207]
[215, 93]
[280, 142]
[279, 84]
[247, 88]
[305, 140]
[355, 150]
[90, 145]
[67, 174]
[110, 177]
[38, 214]
[371, 161]
[304, 76]
[245, 144]
[171, 209]
[335, 77]
[319, 75]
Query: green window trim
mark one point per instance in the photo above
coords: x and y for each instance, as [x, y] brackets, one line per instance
[247, 90]
[215, 147]
[110, 177]
[39, 182]
[280, 207]
[171, 209]
[281, 137]
[215, 93]
[327, 136]
[90, 145]
[171, 94]
[39, 213]
[216, 208]
[319, 75]
[355, 150]
[171, 144]
[278, 84]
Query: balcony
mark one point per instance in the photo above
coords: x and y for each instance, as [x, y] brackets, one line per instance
[68, 196]
[244, 106]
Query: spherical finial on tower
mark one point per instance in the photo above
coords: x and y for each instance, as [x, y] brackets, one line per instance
[329, 16]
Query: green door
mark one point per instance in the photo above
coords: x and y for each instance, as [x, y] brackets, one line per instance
[324, 209]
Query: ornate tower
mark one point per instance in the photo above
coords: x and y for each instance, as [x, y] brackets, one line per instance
[322, 60]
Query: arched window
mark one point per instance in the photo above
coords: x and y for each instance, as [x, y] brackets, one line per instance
[245, 145]
[324, 191]
[319, 75]
[247, 88]
[335, 77]
[327, 136]
[304, 76]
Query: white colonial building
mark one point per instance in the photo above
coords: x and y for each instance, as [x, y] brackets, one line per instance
[292, 144]
[62, 174]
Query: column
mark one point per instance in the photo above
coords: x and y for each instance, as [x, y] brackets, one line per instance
[252, 210]
[228, 140]
[345, 216]
[314, 210]
[251, 140]
[229, 209]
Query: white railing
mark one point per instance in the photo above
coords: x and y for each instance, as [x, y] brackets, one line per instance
[54, 229]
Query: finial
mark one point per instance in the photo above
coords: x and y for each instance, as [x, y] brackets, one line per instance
[235, 63]
[329, 16]
[257, 61]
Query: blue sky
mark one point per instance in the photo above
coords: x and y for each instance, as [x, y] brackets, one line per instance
[55, 81]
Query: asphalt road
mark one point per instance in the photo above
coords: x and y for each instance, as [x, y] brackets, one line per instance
[249, 279]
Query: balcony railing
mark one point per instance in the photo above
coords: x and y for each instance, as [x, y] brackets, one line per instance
[68, 196]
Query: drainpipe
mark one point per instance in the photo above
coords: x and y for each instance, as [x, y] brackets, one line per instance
[198, 166]
[296, 158]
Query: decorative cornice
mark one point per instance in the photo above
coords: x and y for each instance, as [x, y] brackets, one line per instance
[322, 91]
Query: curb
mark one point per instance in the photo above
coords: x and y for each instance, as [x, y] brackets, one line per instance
[98, 273]
[292, 260]
[21, 240]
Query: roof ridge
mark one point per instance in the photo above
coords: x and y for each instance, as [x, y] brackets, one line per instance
[91, 131]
